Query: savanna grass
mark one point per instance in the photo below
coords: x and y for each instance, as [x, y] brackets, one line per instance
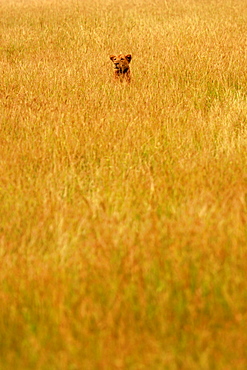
[123, 208]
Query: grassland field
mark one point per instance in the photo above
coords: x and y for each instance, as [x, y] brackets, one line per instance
[123, 209]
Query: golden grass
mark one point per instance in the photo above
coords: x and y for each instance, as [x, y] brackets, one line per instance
[123, 208]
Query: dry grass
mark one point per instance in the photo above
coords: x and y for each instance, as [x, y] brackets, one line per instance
[123, 208]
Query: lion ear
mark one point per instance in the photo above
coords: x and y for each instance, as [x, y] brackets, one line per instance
[128, 57]
[112, 57]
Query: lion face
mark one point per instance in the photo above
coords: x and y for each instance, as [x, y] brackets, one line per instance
[121, 62]
[121, 66]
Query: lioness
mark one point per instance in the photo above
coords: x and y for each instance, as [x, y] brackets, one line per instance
[121, 67]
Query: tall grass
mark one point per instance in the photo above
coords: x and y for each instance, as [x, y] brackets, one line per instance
[123, 237]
